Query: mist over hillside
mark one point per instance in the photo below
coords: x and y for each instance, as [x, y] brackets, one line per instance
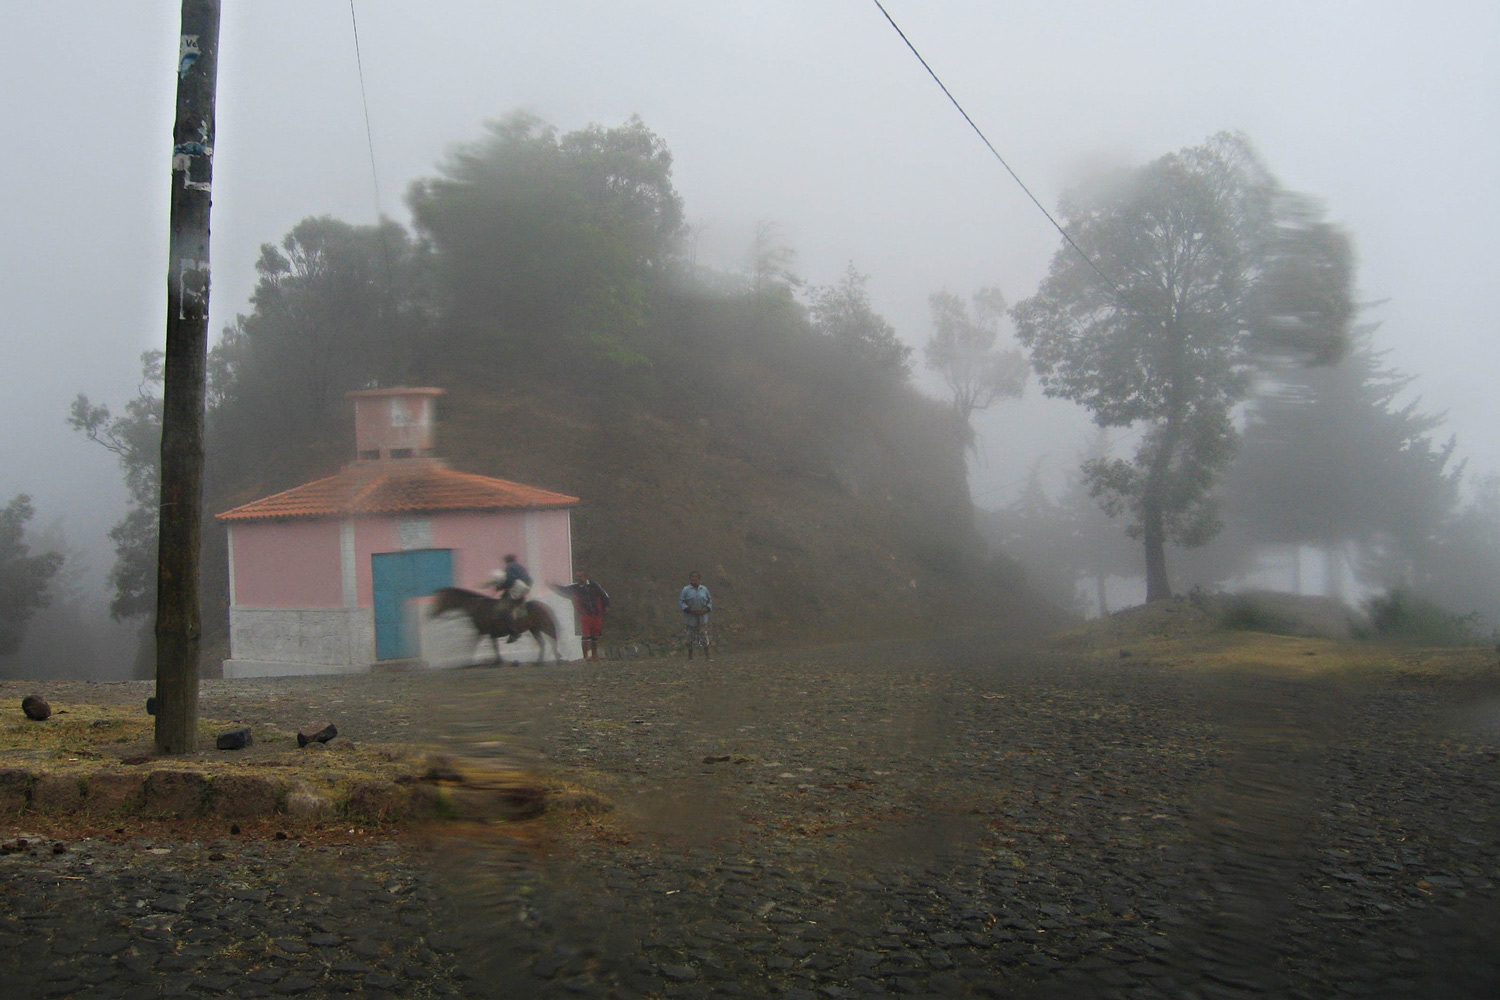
[731, 422]
[770, 434]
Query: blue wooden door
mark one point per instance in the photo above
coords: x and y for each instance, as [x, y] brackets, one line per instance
[397, 578]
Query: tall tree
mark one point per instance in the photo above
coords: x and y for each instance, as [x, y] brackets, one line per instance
[772, 262]
[1064, 542]
[962, 350]
[1200, 270]
[135, 440]
[23, 577]
[844, 315]
[1332, 459]
[1461, 568]
[548, 247]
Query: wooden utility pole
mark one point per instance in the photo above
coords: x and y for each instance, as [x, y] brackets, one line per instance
[178, 616]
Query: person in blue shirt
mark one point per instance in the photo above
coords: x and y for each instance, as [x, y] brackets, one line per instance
[511, 584]
[696, 604]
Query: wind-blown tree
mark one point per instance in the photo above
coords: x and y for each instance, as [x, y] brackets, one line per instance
[135, 440]
[962, 351]
[1200, 271]
[844, 315]
[23, 577]
[549, 248]
[1332, 460]
[1461, 569]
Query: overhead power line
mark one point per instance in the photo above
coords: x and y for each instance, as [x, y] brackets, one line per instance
[995, 152]
[385, 248]
[365, 100]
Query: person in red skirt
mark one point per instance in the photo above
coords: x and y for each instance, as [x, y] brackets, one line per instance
[589, 604]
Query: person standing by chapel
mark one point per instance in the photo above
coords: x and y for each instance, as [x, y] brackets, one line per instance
[696, 604]
[589, 604]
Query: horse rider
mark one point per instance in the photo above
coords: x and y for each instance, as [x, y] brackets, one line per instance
[511, 584]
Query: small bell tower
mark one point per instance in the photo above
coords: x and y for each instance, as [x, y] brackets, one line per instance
[394, 424]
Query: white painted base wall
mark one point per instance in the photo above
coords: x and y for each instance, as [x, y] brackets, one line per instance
[292, 642]
[234, 669]
[300, 640]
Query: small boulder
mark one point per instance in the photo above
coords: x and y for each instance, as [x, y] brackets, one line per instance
[318, 732]
[36, 708]
[235, 739]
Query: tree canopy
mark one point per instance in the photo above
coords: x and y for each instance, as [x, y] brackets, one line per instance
[1200, 270]
[135, 440]
[1332, 458]
[844, 315]
[24, 577]
[962, 351]
[336, 307]
[554, 242]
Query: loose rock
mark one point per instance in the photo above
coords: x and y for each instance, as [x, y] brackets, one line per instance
[318, 732]
[235, 739]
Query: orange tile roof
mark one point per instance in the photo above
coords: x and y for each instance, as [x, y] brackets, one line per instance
[397, 488]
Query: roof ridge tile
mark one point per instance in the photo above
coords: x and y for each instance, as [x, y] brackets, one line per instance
[431, 488]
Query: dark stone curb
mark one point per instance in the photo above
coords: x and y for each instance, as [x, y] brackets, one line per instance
[447, 790]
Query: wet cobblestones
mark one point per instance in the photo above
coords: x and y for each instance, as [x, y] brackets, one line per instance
[864, 821]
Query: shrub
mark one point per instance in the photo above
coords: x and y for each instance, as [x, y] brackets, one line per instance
[1407, 617]
[1243, 613]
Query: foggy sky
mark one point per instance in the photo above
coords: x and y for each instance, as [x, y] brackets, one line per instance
[811, 113]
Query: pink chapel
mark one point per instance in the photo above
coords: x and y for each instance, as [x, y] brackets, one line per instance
[334, 576]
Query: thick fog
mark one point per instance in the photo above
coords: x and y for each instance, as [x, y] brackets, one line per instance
[814, 116]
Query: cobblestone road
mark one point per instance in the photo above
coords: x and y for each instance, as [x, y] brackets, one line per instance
[852, 821]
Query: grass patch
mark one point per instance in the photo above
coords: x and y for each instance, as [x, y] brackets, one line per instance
[1188, 638]
[85, 738]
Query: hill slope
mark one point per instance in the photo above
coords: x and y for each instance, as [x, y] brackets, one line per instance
[879, 539]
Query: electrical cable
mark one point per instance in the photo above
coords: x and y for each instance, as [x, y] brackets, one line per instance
[983, 138]
[385, 247]
[365, 100]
